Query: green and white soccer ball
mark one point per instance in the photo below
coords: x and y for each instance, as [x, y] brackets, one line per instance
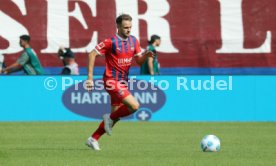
[210, 143]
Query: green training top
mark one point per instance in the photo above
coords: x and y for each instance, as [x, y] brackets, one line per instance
[145, 67]
[30, 62]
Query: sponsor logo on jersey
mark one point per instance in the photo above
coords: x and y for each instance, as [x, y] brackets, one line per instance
[124, 61]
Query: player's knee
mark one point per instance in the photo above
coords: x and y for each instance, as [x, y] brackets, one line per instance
[135, 107]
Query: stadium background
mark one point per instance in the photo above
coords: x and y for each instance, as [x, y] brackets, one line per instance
[198, 37]
[43, 124]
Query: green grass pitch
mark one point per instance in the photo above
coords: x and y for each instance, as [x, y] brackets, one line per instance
[136, 143]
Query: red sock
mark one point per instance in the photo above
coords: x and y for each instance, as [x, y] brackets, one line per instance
[121, 112]
[100, 131]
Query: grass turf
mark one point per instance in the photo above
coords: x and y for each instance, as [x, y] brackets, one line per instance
[136, 143]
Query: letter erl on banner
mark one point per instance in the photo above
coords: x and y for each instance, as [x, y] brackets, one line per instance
[165, 18]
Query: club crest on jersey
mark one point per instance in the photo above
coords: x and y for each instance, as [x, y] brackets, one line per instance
[100, 46]
[132, 48]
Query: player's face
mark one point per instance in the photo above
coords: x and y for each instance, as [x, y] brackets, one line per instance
[158, 42]
[21, 43]
[125, 28]
[66, 61]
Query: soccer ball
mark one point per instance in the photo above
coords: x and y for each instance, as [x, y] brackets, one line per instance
[210, 143]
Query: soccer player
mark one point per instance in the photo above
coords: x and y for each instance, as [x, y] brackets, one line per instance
[119, 51]
[28, 61]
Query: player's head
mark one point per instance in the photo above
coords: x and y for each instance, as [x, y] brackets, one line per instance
[66, 55]
[155, 40]
[124, 25]
[24, 40]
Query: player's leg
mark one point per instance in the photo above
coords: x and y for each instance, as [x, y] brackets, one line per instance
[115, 105]
[130, 105]
[92, 141]
[113, 109]
[119, 96]
[100, 130]
[110, 123]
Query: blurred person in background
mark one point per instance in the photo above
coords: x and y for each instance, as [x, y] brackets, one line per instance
[2, 64]
[28, 61]
[151, 65]
[69, 62]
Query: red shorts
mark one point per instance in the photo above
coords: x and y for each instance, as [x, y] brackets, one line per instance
[117, 90]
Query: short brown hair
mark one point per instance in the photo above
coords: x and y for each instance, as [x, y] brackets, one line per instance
[122, 17]
[25, 38]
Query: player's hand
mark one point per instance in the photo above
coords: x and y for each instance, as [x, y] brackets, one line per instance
[3, 72]
[150, 54]
[89, 85]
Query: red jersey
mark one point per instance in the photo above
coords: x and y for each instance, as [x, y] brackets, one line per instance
[118, 54]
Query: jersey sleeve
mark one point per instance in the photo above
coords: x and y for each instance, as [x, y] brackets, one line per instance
[138, 50]
[23, 59]
[104, 47]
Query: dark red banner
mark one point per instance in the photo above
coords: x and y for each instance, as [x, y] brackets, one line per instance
[197, 33]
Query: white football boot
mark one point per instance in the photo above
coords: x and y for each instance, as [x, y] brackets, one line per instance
[93, 144]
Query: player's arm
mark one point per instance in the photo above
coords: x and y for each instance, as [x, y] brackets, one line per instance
[91, 62]
[150, 61]
[12, 68]
[140, 59]
[22, 60]
[100, 50]
[150, 64]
